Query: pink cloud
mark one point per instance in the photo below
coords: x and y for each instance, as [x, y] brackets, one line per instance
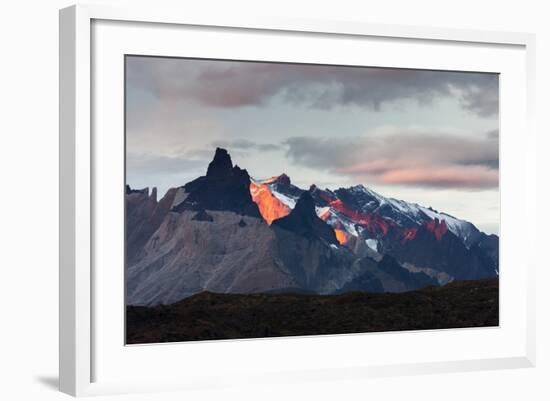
[455, 176]
[427, 159]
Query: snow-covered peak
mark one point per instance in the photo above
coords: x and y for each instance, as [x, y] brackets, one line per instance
[287, 200]
[288, 197]
[461, 228]
[280, 179]
[363, 189]
[402, 213]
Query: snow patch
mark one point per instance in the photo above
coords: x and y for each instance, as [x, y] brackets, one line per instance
[441, 277]
[321, 210]
[462, 229]
[350, 227]
[287, 200]
[372, 244]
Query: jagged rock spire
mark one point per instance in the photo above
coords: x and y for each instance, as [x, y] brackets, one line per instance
[225, 187]
[283, 179]
[221, 165]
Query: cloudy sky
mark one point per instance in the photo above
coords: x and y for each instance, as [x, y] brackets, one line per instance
[429, 137]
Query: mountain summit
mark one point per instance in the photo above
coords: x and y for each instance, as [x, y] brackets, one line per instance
[224, 187]
[221, 166]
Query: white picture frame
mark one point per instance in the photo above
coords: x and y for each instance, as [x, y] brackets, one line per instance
[79, 347]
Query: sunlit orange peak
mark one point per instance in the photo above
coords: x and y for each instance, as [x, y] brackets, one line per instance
[341, 236]
[270, 207]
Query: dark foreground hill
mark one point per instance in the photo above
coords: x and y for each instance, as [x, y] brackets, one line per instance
[212, 316]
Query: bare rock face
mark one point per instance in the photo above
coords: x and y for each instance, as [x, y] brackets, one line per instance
[232, 254]
[186, 256]
[144, 215]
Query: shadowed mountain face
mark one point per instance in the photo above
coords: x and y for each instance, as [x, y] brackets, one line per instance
[443, 251]
[304, 221]
[386, 275]
[227, 233]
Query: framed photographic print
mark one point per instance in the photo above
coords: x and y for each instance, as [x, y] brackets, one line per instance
[287, 240]
[236, 192]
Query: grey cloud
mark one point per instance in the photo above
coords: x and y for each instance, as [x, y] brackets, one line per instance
[416, 158]
[493, 134]
[202, 153]
[162, 172]
[489, 163]
[237, 147]
[268, 147]
[245, 144]
[229, 84]
[155, 164]
[481, 100]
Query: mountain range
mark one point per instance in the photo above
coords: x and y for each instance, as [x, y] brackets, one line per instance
[227, 232]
